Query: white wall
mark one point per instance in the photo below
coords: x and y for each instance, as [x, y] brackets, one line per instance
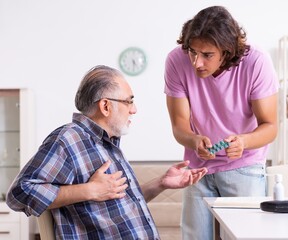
[48, 45]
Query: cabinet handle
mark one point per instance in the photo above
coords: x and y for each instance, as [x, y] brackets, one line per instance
[4, 232]
[4, 212]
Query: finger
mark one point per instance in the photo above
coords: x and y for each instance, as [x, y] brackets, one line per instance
[190, 179]
[182, 164]
[199, 174]
[231, 138]
[204, 152]
[121, 181]
[122, 188]
[119, 192]
[211, 156]
[204, 171]
[234, 156]
[115, 195]
[206, 155]
[116, 175]
[199, 170]
[197, 177]
[104, 167]
[120, 195]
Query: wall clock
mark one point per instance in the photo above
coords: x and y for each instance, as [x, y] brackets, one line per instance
[133, 61]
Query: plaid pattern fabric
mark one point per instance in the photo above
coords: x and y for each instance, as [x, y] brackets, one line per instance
[70, 155]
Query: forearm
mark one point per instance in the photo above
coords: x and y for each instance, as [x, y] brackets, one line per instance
[179, 112]
[265, 111]
[176, 177]
[152, 189]
[185, 136]
[70, 194]
[261, 136]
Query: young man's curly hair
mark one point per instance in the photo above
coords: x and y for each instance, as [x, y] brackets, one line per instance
[216, 26]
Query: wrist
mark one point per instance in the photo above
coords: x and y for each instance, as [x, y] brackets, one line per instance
[87, 194]
[194, 141]
[244, 138]
[162, 185]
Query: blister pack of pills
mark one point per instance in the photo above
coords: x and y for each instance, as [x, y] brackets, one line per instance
[218, 146]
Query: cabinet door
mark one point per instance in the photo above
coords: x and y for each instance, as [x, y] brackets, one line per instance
[9, 110]
[9, 223]
[9, 149]
[9, 138]
[8, 215]
[9, 231]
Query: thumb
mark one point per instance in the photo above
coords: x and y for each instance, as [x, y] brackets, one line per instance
[207, 142]
[104, 167]
[230, 138]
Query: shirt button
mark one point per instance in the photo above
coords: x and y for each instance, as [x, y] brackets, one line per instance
[148, 219]
[138, 199]
[129, 180]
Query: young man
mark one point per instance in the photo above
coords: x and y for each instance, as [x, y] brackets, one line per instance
[80, 173]
[219, 88]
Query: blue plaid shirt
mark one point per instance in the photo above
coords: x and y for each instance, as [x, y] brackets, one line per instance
[70, 155]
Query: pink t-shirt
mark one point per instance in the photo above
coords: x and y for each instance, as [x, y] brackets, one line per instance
[221, 106]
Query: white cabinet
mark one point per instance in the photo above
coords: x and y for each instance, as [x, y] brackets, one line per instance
[9, 224]
[16, 148]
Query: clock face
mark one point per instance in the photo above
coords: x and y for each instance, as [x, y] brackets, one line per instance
[132, 61]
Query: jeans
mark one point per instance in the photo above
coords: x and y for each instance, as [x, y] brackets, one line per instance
[197, 221]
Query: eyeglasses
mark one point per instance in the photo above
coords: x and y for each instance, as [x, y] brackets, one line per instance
[130, 102]
[122, 101]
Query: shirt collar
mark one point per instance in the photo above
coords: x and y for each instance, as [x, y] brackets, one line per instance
[93, 129]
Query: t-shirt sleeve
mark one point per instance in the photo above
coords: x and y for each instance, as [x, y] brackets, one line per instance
[265, 78]
[172, 75]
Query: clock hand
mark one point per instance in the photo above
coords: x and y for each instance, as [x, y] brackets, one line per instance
[134, 63]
